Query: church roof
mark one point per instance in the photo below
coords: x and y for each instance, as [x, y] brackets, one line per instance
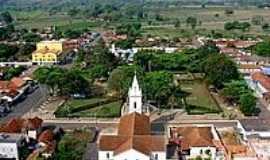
[134, 124]
[133, 133]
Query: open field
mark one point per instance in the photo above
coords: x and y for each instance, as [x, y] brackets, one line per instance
[207, 16]
[199, 99]
[42, 19]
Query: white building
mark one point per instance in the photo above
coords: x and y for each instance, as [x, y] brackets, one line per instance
[133, 140]
[196, 141]
[9, 145]
[135, 97]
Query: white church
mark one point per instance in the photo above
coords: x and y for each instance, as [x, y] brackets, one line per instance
[133, 140]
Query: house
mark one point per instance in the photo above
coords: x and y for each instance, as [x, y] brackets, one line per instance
[31, 127]
[13, 89]
[133, 140]
[249, 68]
[10, 145]
[48, 52]
[260, 83]
[195, 141]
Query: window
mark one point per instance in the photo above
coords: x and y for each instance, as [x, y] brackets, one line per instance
[135, 105]
[108, 155]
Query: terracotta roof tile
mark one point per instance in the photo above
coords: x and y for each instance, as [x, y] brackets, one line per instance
[17, 125]
[133, 133]
[134, 124]
[17, 82]
[46, 136]
[262, 79]
[193, 136]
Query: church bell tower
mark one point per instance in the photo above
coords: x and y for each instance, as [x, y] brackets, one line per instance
[135, 97]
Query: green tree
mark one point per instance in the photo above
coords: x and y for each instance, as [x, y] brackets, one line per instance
[220, 69]
[73, 12]
[6, 17]
[99, 71]
[54, 77]
[265, 27]
[262, 48]
[234, 89]
[71, 147]
[229, 12]
[31, 37]
[158, 86]
[120, 79]
[248, 104]
[191, 21]
[6, 51]
[177, 23]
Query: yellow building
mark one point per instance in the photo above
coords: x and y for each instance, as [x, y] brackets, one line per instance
[47, 52]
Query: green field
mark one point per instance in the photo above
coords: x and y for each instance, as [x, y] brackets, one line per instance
[200, 99]
[75, 103]
[207, 17]
[93, 107]
[108, 110]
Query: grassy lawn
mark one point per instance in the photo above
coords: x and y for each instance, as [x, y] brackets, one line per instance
[80, 102]
[108, 110]
[199, 100]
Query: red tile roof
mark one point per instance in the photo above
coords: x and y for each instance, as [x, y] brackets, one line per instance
[193, 136]
[17, 82]
[131, 124]
[12, 85]
[262, 79]
[46, 137]
[17, 125]
[134, 133]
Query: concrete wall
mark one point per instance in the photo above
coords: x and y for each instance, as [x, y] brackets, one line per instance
[9, 150]
[200, 151]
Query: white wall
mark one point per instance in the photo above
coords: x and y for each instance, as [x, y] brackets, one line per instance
[102, 155]
[32, 134]
[131, 155]
[132, 101]
[9, 150]
[200, 151]
[161, 155]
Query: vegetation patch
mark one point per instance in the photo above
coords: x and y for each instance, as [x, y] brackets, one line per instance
[199, 100]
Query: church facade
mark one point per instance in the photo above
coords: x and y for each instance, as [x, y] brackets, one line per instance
[133, 140]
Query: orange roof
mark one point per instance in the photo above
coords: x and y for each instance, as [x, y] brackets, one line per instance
[12, 85]
[16, 125]
[46, 136]
[262, 79]
[133, 133]
[194, 136]
[34, 123]
[131, 124]
[17, 82]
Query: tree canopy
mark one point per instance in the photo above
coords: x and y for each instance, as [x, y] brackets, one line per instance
[219, 69]
[262, 48]
[54, 77]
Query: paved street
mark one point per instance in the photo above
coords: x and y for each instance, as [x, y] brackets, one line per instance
[32, 101]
